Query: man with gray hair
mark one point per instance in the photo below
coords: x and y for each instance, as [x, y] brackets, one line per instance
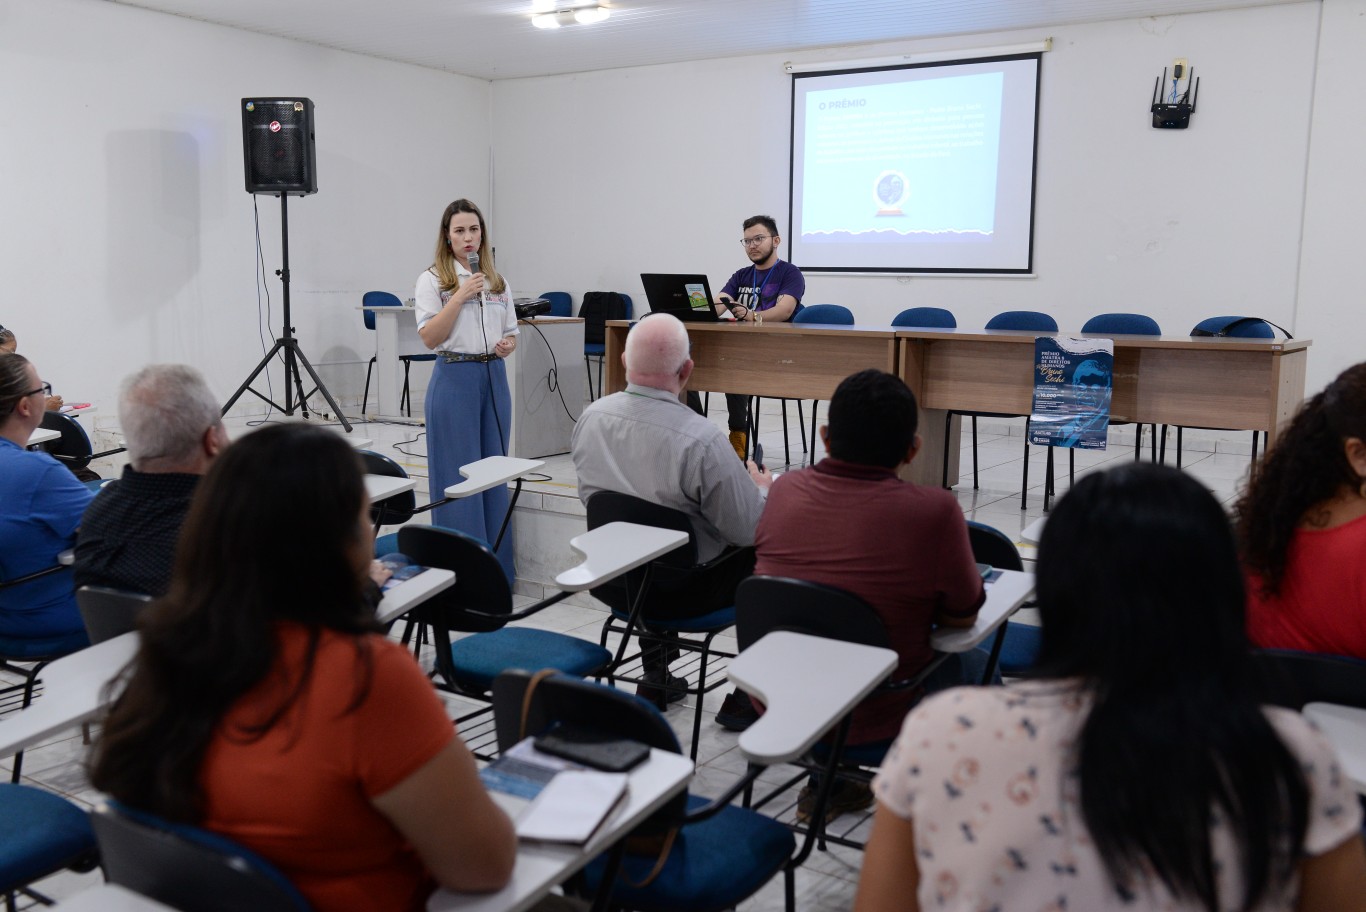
[645, 442]
[173, 429]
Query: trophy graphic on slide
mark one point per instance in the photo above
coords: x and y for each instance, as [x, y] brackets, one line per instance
[889, 192]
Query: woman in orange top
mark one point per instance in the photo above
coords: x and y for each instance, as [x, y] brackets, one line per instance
[1302, 528]
[266, 705]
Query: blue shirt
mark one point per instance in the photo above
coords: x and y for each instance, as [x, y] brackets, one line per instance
[41, 504]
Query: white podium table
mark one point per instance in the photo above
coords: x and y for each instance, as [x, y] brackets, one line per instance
[542, 424]
[396, 337]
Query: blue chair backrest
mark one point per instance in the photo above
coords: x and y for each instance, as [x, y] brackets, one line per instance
[929, 317]
[827, 314]
[1248, 329]
[561, 304]
[630, 308]
[1123, 324]
[187, 867]
[377, 299]
[1023, 319]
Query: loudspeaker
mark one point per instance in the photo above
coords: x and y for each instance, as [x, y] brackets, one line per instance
[278, 147]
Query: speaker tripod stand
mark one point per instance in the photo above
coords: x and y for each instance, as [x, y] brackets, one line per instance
[289, 346]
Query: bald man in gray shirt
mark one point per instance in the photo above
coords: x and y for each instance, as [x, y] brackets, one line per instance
[645, 442]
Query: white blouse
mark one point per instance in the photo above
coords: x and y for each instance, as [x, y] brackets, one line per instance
[470, 334]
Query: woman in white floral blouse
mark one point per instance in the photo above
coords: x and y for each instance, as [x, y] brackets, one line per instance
[1135, 768]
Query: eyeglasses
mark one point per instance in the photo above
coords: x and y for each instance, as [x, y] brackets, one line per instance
[45, 389]
[755, 241]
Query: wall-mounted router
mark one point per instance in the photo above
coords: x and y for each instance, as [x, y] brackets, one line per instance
[1175, 112]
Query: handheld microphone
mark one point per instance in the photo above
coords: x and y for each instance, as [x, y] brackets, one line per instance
[474, 267]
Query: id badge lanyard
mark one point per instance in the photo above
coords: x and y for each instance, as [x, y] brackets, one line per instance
[754, 277]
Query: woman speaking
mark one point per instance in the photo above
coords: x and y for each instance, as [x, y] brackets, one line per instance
[465, 314]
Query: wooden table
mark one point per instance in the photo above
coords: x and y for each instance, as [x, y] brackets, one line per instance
[1233, 384]
[1238, 384]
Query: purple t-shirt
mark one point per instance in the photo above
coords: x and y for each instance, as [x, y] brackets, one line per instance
[766, 285]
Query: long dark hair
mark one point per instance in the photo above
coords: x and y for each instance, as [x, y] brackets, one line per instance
[270, 536]
[1307, 466]
[1141, 598]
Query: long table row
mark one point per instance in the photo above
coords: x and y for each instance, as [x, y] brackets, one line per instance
[1233, 384]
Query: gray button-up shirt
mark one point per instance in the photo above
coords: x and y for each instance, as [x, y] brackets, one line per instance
[646, 443]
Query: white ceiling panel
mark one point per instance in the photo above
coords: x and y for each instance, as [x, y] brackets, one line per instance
[494, 39]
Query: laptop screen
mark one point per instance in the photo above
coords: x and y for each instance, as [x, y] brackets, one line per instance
[687, 297]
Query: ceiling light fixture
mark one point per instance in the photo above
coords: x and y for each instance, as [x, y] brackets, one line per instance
[550, 18]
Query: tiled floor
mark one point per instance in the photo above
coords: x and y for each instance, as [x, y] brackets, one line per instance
[828, 880]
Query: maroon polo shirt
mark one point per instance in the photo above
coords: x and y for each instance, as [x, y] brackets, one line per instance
[903, 548]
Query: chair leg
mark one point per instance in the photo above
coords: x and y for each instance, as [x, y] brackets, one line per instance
[1254, 447]
[1048, 478]
[588, 369]
[1024, 492]
[406, 397]
[1138, 442]
[706, 402]
[1154, 443]
[948, 427]
[753, 424]
[1071, 466]
[1162, 450]
[787, 450]
[974, 452]
[801, 426]
[600, 363]
[1179, 429]
[365, 397]
[814, 403]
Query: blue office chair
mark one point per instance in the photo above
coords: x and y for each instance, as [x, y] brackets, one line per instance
[385, 299]
[1121, 324]
[561, 304]
[1028, 320]
[1019, 643]
[26, 657]
[480, 603]
[186, 867]
[40, 834]
[1235, 328]
[73, 449]
[718, 854]
[819, 315]
[926, 318]
[597, 308]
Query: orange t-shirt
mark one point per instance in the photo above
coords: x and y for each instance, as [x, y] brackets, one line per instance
[300, 795]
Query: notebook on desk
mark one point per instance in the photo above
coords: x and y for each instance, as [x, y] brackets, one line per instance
[687, 297]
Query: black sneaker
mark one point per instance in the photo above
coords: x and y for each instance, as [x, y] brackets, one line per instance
[845, 798]
[662, 696]
[737, 712]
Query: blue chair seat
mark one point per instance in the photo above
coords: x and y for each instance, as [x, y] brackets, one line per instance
[713, 861]
[24, 649]
[40, 833]
[1020, 650]
[719, 619]
[594, 348]
[481, 658]
[386, 544]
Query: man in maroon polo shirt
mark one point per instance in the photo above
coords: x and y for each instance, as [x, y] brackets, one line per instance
[850, 522]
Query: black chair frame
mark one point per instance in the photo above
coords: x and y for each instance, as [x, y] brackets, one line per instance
[29, 667]
[664, 573]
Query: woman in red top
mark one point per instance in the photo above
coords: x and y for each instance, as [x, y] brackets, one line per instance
[1302, 528]
[265, 703]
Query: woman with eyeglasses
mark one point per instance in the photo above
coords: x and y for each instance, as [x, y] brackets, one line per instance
[1136, 768]
[9, 344]
[465, 315]
[266, 704]
[41, 504]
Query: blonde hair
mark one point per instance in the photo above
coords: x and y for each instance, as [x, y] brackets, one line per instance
[444, 264]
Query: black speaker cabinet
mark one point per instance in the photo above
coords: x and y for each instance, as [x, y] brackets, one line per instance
[278, 147]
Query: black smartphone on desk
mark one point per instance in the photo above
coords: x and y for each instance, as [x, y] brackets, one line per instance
[594, 750]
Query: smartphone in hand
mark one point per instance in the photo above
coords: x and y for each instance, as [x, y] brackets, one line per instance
[758, 454]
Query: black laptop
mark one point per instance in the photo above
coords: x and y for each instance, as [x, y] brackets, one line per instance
[687, 297]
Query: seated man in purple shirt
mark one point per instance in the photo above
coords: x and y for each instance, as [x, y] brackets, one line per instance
[768, 290]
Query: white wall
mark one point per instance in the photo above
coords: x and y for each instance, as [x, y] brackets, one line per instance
[127, 234]
[1332, 306]
[604, 175]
